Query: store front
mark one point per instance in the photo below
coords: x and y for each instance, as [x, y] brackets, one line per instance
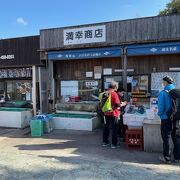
[16, 84]
[137, 53]
[79, 77]
[150, 63]
[78, 70]
[19, 62]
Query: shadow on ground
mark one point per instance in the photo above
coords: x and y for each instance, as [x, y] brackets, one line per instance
[89, 143]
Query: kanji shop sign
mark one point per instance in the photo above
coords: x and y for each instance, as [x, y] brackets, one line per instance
[93, 34]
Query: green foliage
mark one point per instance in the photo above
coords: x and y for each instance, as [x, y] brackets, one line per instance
[171, 8]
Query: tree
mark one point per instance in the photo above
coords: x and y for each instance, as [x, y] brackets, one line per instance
[171, 8]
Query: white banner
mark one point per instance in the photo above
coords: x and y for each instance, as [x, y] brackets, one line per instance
[92, 34]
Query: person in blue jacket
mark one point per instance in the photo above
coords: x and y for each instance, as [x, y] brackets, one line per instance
[164, 105]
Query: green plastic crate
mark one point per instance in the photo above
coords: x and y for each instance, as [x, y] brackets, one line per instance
[36, 128]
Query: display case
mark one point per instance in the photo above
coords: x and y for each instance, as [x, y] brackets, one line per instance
[19, 90]
[81, 90]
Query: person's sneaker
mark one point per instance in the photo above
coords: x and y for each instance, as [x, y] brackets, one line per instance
[115, 146]
[106, 144]
[121, 139]
[177, 160]
[165, 159]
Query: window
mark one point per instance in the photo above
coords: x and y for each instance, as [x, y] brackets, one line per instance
[139, 84]
[19, 90]
[69, 88]
[108, 79]
[82, 90]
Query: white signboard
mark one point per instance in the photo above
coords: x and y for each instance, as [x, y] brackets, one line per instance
[107, 71]
[69, 88]
[97, 75]
[92, 34]
[91, 83]
[89, 74]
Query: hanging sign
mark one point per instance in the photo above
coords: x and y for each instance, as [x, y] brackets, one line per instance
[154, 49]
[85, 54]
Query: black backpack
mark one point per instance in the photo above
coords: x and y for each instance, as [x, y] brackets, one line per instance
[174, 112]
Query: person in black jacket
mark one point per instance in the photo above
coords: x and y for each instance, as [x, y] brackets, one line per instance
[121, 126]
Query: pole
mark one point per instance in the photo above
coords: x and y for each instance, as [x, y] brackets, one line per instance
[34, 89]
[125, 69]
[51, 84]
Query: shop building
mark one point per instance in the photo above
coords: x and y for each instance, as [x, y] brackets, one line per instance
[83, 59]
[19, 62]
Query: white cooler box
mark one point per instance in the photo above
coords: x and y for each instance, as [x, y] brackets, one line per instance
[15, 119]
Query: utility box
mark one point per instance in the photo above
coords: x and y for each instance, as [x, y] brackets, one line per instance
[152, 136]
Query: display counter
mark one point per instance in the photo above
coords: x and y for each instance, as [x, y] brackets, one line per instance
[15, 117]
[76, 121]
[76, 116]
[151, 129]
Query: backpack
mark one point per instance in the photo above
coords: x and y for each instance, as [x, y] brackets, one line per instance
[174, 111]
[105, 102]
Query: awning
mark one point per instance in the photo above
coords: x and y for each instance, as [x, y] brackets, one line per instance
[154, 49]
[85, 53]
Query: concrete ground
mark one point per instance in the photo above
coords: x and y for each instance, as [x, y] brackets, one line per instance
[75, 155]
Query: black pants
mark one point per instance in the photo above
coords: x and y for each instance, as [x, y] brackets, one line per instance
[110, 121]
[167, 131]
[121, 127]
[176, 139]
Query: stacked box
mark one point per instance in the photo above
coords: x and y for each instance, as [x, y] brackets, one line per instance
[36, 128]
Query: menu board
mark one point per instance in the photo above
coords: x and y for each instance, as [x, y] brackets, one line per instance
[16, 73]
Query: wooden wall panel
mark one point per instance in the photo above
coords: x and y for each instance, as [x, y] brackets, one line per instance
[76, 69]
[145, 64]
[150, 29]
[25, 51]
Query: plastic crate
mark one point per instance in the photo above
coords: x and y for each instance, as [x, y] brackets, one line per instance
[134, 139]
[37, 128]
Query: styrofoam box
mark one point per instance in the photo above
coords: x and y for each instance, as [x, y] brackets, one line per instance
[133, 119]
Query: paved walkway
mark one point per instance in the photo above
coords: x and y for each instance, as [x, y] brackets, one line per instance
[75, 155]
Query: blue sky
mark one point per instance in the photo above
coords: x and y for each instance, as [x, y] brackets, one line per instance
[25, 17]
